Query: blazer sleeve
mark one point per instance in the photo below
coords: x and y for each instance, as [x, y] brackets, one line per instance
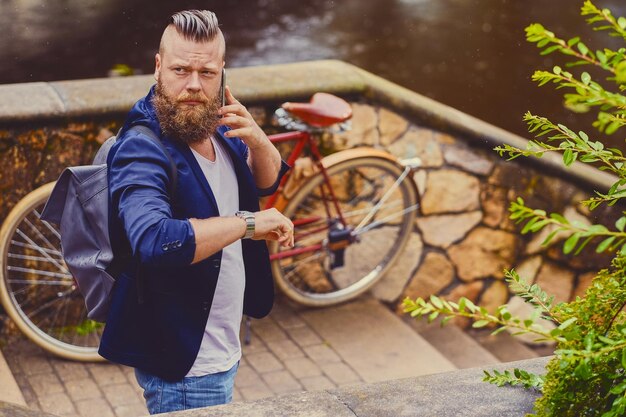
[139, 176]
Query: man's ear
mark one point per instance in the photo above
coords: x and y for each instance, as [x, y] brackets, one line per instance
[157, 66]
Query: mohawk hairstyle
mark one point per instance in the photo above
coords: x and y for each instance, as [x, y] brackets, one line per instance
[196, 25]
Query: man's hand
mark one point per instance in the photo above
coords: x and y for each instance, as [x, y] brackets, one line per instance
[236, 116]
[270, 224]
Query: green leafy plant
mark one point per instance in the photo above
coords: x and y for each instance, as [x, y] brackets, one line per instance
[587, 375]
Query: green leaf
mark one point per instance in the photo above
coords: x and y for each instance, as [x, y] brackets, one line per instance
[567, 323]
[624, 358]
[622, 22]
[436, 302]
[582, 48]
[585, 78]
[573, 41]
[605, 244]
[480, 323]
[571, 243]
[620, 223]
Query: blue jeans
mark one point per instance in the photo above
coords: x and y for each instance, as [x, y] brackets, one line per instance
[190, 392]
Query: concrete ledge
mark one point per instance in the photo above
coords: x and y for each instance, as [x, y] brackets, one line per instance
[87, 98]
[449, 394]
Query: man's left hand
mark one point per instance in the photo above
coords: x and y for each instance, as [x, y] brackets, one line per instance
[242, 124]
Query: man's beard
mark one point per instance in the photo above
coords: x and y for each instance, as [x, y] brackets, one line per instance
[189, 124]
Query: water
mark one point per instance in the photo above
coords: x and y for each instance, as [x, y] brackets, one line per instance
[469, 54]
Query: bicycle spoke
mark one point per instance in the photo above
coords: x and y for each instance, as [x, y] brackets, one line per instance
[38, 272]
[35, 247]
[39, 234]
[52, 229]
[384, 220]
[28, 257]
[40, 250]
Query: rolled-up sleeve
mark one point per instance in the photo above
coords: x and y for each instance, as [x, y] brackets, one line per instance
[139, 184]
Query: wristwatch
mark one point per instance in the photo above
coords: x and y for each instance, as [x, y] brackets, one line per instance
[249, 218]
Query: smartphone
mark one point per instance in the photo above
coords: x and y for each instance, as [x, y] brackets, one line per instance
[223, 87]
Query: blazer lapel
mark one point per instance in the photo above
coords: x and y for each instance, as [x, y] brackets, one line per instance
[195, 167]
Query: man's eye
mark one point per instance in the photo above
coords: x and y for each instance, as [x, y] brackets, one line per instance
[179, 70]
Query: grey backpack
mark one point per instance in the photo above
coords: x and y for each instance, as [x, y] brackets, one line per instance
[79, 205]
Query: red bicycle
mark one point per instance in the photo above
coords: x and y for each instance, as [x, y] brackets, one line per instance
[353, 212]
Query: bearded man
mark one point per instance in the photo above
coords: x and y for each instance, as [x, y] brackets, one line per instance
[199, 257]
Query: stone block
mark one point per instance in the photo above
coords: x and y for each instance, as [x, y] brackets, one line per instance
[340, 373]
[121, 394]
[390, 287]
[82, 389]
[528, 268]
[46, 384]
[256, 392]
[285, 349]
[305, 336]
[281, 382]
[94, 407]
[495, 205]
[434, 274]
[268, 330]
[446, 229]
[322, 353]
[364, 129]
[418, 143]
[107, 374]
[316, 383]
[70, 371]
[391, 125]
[485, 252]
[450, 191]
[468, 160]
[302, 367]
[494, 296]
[58, 403]
[246, 377]
[132, 410]
[556, 281]
[584, 282]
[264, 362]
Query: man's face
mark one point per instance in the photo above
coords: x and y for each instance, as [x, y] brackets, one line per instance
[188, 78]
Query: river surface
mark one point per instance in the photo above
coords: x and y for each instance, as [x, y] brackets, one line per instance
[469, 54]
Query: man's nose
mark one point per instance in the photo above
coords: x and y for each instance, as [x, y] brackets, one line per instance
[193, 83]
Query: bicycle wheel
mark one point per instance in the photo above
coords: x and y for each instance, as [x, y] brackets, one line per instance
[379, 213]
[36, 288]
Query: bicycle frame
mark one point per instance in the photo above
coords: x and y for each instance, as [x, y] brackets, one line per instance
[302, 139]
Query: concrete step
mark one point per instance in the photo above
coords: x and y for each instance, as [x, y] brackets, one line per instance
[376, 343]
[9, 390]
[455, 344]
[507, 348]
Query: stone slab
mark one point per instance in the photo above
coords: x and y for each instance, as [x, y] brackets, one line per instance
[24, 102]
[460, 393]
[375, 342]
[309, 404]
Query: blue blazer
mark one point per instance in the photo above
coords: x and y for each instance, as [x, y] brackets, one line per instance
[162, 332]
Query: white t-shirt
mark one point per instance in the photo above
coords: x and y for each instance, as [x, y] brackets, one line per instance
[221, 347]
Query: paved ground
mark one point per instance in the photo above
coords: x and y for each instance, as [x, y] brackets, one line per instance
[292, 350]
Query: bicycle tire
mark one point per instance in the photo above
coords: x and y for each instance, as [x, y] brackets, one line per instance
[377, 249]
[36, 289]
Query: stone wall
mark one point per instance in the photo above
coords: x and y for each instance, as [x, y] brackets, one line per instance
[463, 238]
